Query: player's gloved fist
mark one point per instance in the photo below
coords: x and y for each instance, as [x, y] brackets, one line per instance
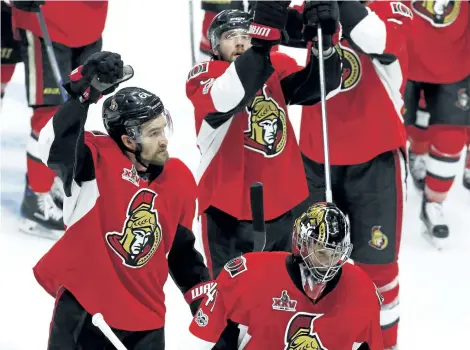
[320, 13]
[106, 66]
[29, 6]
[268, 21]
[293, 29]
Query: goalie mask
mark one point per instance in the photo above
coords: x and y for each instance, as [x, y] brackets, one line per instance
[321, 238]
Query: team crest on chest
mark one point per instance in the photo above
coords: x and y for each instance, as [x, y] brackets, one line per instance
[267, 126]
[284, 303]
[437, 13]
[141, 233]
[301, 333]
[352, 69]
[131, 175]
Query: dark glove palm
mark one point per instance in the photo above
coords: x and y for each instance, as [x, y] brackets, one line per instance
[29, 6]
[106, 66]
[320, 13]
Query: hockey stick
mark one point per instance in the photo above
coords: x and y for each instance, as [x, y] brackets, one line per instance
[324, 119]
[99, 322]
[51, 55]
[257, 214]
[191, 31]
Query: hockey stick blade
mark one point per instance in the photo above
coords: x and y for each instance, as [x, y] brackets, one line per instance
[128, 72]
[257, 214]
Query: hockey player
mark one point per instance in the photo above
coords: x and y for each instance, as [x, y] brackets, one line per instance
[41, 207]
[244, 133]
[367, 143]
[210, 9]
[129, 210]
[445, 88]
[11, 54]
[309, 299]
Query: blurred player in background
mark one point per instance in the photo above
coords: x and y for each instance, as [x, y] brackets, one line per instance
[72, 45]
[129, 210]
[367, 141]
[308, 299]
[443, 86]
[11, 54]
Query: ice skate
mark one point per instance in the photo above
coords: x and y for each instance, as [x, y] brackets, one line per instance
[435, 230]
[418, 169]
[41, 215]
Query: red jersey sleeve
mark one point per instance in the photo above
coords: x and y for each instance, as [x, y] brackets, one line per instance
[383, 30]
[211, 317]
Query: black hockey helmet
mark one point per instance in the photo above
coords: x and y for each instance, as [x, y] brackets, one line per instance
[321, 238]
[225, 21]
[124, 113]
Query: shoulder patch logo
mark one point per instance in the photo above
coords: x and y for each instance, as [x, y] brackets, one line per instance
[198, 70]
[236, 266]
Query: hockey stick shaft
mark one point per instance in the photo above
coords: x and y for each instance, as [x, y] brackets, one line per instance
[98, 321]
[51, 55]
[257, 214]
[326, 149]
[191, 31]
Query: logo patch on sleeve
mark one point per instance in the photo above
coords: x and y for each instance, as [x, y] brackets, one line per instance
[236, 266]
[199, 69]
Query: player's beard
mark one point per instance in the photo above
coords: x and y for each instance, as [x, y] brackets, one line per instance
[160, 157]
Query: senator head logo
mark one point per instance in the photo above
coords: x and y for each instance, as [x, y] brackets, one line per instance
[267, 127]
[438, 13]
[352, 69]
[141, 233]
[301, 334]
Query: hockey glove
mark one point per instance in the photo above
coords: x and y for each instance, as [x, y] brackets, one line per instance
[107, 67]
[269, 19]
[28, 6]
[320, 13]
[294, 26]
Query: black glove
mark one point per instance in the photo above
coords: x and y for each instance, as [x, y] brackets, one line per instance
[29, 6]
[269, 19]
[320, 13]
[106, 66]
[293, 29]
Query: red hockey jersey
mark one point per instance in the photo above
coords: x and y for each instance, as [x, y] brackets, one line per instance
[364, 119]
[439, 45]
[257, 292]
[115, 254]
[257, 144]
[71, 23]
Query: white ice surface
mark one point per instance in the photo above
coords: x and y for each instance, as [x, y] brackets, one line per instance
[435, 286]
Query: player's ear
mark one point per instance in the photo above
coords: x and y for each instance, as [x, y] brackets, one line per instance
[128, 142]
